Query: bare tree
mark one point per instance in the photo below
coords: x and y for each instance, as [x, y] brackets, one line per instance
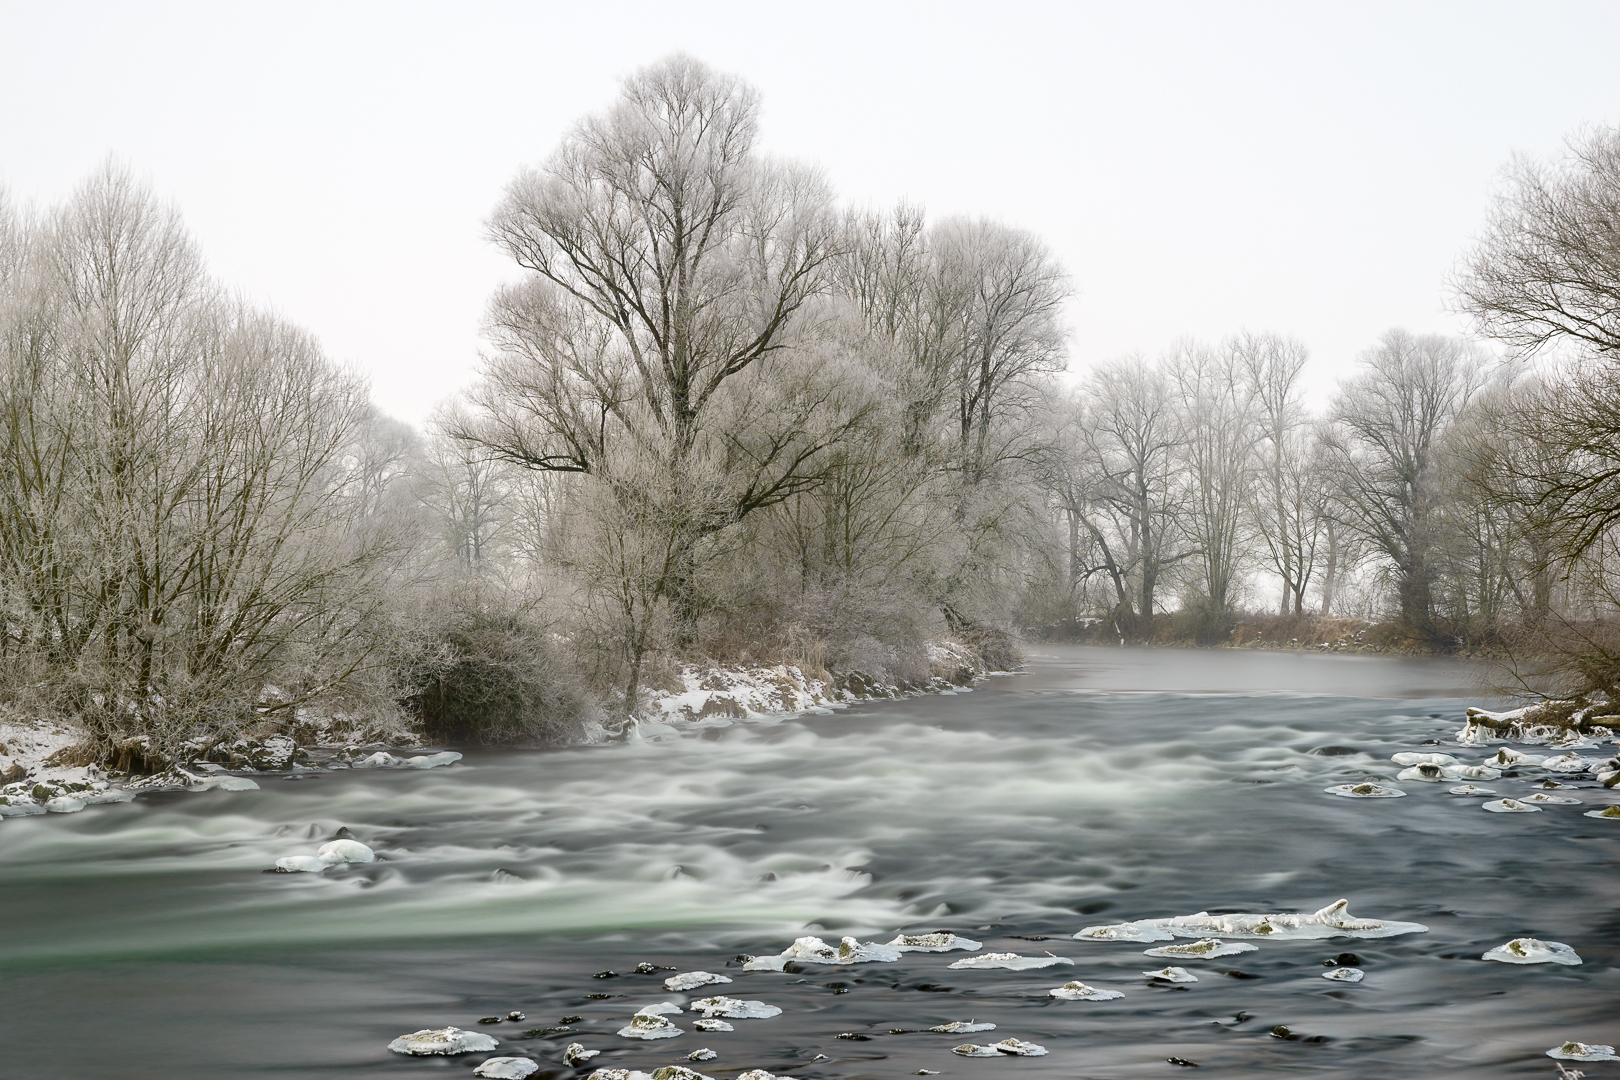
[1381, 451]
[1218, 420]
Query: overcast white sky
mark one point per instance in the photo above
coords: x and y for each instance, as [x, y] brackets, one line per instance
[1309, 168]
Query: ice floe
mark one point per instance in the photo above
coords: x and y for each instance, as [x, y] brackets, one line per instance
[812, 950]
[1434, 774]
[1569, 763]
[1542, 798]
[1079, 991]
[1008, 962]
[1344, 974]
[507, 1068]
[703, 1053]
[650, 1023]
[1423, 759]
[1528, 950]
[1579, 1051]
[576, 1054]
[943, 942]
[344, 851]
[1006, 1047]
[1509, 806]
[962, 1027]
[445, 1040]
[732, 1009]
[678, 1072]
[1365, 791]
[1611, 813]
[618, 1074]
[1508, 758]
[691, 980]
[760, 1074]
[300, 864]
[1172, 974]
[1202, 949]
[1470, 789]
[1334, 920]
[712, 1025]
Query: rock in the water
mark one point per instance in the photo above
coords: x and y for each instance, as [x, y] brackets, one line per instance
[678, 1072]
[1019, 1048]
[707, 1024]
[702, 1054]
[1470, 789]
[691, 980]
[344, 851]
[975, 1050]
[1527, 950]
[1509, 806]
[812, 950]
[1172, 974]
[649, 1023]
[1508, 758]
[576, 1054]
[1344, 974]
[301, 864]
[445, 1040]
[760, 1074]
[1578, 1051]
[944, 942]
[1365, 791]
[962, 1027]
[1431, 774]
[1541, 798]
[1423, 759]
[1131, 931]
[507, 1068]
[430, 761]
[1334, 920]
[64, 804]
[1611, 813]
[382, 759]
[235, 783]
[1568, 763]
[732, 1009]
[1079, 991]
[1202, 949]
[618, 1074]
[1007, 961]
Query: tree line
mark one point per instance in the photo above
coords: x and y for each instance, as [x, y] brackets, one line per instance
[722, 415]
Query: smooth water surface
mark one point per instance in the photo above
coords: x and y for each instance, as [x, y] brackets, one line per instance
[144, 940]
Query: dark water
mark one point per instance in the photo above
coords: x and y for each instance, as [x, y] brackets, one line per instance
[142, 940]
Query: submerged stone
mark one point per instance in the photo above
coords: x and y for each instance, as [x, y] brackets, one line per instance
[576, 1054]
[1007, 961]
[1079, 991]
[943, 942]
[1531, 951]
[812, 950]
[733, 1009]
[1611, 813]
[1365, 791]
[1470, 789]
[445, 1040]
[691, 980]
[1202, 949]
[507, 1068]
[1344, 974]
[1509, 806]
[962, 1027]
[1579, 1051]
[1172, 974]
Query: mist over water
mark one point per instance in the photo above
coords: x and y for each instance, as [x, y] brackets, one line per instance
[143, 940]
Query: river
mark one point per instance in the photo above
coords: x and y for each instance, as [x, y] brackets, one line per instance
[144, 940]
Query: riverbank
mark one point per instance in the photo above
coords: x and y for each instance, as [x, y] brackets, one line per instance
[1305, 633]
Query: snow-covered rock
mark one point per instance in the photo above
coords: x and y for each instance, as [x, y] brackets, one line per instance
[445, 1040]
[1365, 791]
[1423, 759]
[1007, 961]
[507, 1068]
[1202, 949]
[1579, 1051]
[344, 851]
[1531, 951]
[733, 1009]
[707, 1024]
[1334, 920]
[944, 942]
[1344, 974]
[812, 950]
[1608, 813]
[691, 980]
[650, 1023]
[1079, 991]
[962, 1027]
[1172, 974]
[1509, 806]
[576, 1054]
[1470, 789]
[301, 864]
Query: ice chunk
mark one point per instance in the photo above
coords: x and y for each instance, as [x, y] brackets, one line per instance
[712, 1025]
[1130, 931]
[576, 1054]
[760, 1074]
[507, 1068]
[343, 851]
[974, 1050]
[1508, 758]
[1334, 920]
[1344, 974]
[649, 1023]
[445, 1040]
[702, 1054]
[64, 804]
[1019, 1048]
[1202, 949]
[1172, 974]
[382, 759]
[1433, 774]
[1365, 791]
[1008, 961]
[1470, 789]
[944, 942]
[301, 864]
[1528, 950]
[1423, 759]
[732, 1009]
[678, 1072]
[430, 761]
[1478, 772]
[1477, 735]
[812, 950]
[117, 795]
[1579, 1051]
[1079, 991]
[691, 980]
[1568, 763]
[1542, 798]
[962, 1027]
[663, 1008]
[235, 783]
[618, 1074]
[1509, 806]
[1611, 813]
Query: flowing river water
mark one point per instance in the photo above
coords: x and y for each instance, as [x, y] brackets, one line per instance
[144, 940]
